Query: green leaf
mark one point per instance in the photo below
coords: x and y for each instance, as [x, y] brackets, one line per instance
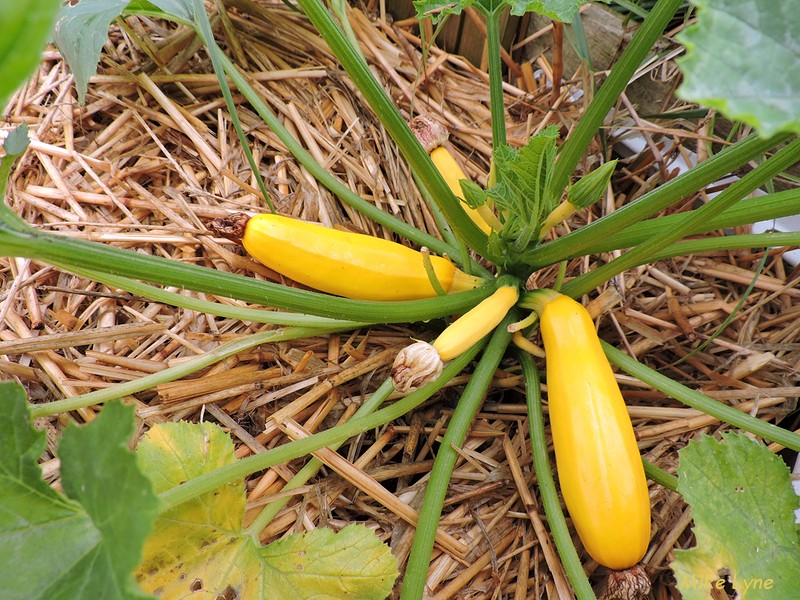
[741, 57]
[179, 9]
[80, 34]
[53, 547]
[558, 10]
[27, 25]
[521, 192]
[17, 140]
[199, 544]
[438, 9]
[15, 144]
[589, 188]
[743, 509]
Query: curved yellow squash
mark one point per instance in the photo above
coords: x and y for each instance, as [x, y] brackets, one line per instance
[353, 265]
[599, 466]
[473, 325]
[453, 174]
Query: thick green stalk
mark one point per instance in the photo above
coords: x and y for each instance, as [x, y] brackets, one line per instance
[644, 252]
[386, 110]
[311, 468]
[241, 313]
[706, 173]
[727, 242]
[496, 101]
[547, 486]
[457, 428]
[64, 252]
[660, 476]
[695, 399]
[183, 369]
[579, 138]
[744, 212]
[336, 435]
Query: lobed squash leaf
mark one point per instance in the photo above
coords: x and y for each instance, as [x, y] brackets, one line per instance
[199, 547]
[84, 544]
[743, 509]
[741, 58]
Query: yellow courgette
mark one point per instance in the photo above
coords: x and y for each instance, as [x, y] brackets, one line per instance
[433, 136]
[421, 362]
[599, 466]
[473, 325]
[353, 265]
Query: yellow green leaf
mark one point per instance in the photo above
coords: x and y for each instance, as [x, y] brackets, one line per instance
[199, 548]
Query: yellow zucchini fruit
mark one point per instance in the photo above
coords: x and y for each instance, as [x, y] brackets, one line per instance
[421, 362]
[353, 265]
[452, 173]
[473, 325]
[599, 466]
[433, 136]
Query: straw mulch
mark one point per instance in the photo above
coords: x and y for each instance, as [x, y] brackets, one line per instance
[152, 157]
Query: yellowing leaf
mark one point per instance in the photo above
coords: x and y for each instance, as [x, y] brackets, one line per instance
[199, 548]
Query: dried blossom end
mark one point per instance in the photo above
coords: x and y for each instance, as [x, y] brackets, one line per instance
[431, 134]
[630, 584]
[231, 227]
[415, 366]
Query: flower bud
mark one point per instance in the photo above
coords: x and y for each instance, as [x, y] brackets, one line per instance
[414, 366]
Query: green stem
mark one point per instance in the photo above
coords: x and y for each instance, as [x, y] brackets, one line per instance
[64, 252]
[727, 242]
[457, 428]
[216, 54]
[644, 252]
[744, 212]
[390, 117]
[311, 468]
[241, 313]
[547, 486]
[616, 223]
[700, 402]
[660, 476]
[579, 138]
[337, 435]
[183, 369]
[496, 100]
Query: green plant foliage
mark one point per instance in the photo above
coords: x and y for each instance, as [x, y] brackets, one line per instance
[176, 9]
[86, 543]
[743, 508]
[199, 544]
[522, 189]
[742, 58]
[80, 34]
[559, 10]
[27, 25]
